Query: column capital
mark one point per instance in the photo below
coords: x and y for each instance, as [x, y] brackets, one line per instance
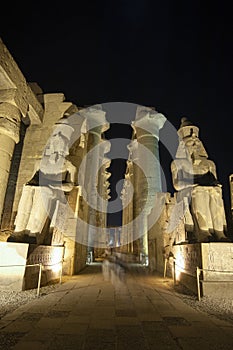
[95, 119]
[148, 122]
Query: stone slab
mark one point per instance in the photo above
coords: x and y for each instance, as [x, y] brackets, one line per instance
[215, 260]
[218, 289]
[12, 265]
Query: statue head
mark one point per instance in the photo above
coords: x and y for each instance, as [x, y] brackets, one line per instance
[58, 145]
[189, 142]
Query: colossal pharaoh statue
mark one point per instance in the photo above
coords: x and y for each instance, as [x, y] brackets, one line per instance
[54, 175]
[194, 177]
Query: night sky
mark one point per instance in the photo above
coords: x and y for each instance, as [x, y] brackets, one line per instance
[173, 55]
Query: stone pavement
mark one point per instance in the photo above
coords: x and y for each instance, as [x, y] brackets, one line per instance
[138, 311]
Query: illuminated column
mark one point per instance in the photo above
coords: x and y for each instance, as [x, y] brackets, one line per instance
[129, 188]
[106, 195]
[103, 185]
[231, 193]
[127, 203]
[136, 173]
[147, 124]
[96, 124]
[10, 117]
[106, 189]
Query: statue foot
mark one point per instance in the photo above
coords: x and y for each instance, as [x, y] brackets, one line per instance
[193, 240]
[224, 239]
[220, 237]
[17, 238]
[208, 239]
[11, 238]
[30, 239]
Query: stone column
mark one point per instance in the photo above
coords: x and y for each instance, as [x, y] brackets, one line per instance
[10, 117]
[96, 124]
[147, 124]
[125, 218]
[124, 210]
[129, 210]
[231, 193]
[136, 173]
[106, 196]
[127, 215]
[106, 191]
[103, 184]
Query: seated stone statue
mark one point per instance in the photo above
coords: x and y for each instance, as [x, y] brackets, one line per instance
[54, 175]
[194, 177]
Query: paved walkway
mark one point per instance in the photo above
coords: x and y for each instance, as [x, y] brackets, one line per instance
[90, 312]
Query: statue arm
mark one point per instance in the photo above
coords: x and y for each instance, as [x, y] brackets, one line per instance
[34, 180]
[69, 182]
[213, 168]
[207, 178]
[213, 171]
[180, 178]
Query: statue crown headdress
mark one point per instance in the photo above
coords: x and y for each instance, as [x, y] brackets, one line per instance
[187, 129]
[63, 126]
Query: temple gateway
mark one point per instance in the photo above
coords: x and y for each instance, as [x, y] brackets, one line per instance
[54, 192]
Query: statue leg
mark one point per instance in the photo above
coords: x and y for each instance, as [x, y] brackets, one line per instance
[23, 214]
[24, 209]
[201, 213]
[40, 211]
[217, 213]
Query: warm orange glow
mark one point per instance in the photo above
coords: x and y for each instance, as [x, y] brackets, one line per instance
[179, 265]
[56, 263]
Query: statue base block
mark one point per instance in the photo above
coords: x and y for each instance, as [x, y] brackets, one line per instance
[215, 261]
[51, 259]
[13, 257]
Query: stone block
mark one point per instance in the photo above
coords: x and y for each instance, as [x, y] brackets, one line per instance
[50, 258]
[12, 265]
[215, 263]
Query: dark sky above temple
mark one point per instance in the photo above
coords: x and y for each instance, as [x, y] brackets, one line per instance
[173, 55]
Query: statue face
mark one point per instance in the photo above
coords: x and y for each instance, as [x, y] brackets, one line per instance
[193, 145]
[59, 144]
[57, 147]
